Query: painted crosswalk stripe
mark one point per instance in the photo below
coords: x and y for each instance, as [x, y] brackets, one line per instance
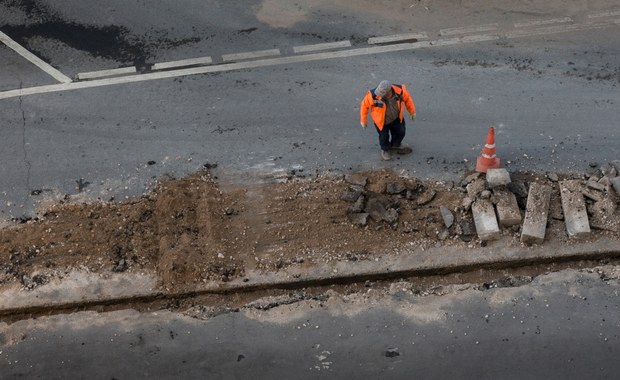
[604, 14]
[34, 59]
[323, 46]
[557, 29]
[468, 29]
[106, 73]
[182, 63]
[397, 38]
[531, 23]
[250, 55]
[479, 38]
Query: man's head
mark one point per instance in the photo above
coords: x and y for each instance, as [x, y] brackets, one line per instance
[384, 89]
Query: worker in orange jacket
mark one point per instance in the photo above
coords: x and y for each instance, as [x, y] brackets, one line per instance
[387, 103]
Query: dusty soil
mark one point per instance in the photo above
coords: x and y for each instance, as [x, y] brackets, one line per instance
[190, 231]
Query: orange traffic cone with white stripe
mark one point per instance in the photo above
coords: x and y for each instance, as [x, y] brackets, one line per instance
[488, 159]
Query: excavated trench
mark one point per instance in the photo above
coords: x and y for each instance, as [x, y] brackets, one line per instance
[189, 232]
[233, 298]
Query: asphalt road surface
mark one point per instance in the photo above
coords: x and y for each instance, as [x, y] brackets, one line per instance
[283, 88]
[564, 325]
[277, 89]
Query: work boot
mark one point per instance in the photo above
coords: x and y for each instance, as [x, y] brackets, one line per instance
[385, 155]
[402, 149]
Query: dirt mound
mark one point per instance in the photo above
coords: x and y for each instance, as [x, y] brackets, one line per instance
[189, 231]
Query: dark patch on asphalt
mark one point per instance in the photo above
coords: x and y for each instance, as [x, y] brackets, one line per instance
[108, 41]
[30, 7]
[507, 282]
[81, 184]
[247, 31]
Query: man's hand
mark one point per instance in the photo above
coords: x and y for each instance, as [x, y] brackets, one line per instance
[412, 116]
[364, 125]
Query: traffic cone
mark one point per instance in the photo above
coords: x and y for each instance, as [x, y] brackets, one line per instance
[488, 159]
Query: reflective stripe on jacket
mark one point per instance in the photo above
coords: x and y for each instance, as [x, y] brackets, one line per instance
[376, 106]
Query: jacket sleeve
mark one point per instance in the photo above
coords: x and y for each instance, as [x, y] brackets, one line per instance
[365, 107]
[408, 101]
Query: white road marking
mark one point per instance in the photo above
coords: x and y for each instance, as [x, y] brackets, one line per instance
[8, 41]
[182, 62]
[527, 24]
[324, 46]
[479, 38]
[397, 37]
[604, 14]
[370, 50]
[250, 55]
[106, 73]
[445, 42]
[557, 29]
[468, 29]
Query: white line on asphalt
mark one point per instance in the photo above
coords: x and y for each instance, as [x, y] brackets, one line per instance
[296, 59]
[106, 73]
[250, 55]
[319, 47]
[182, 62]
[34, 59]
[527, 24]
[397, 37]
[479, 38]
[468, 29]
[445, 41]
[604, 14]
[558, 29]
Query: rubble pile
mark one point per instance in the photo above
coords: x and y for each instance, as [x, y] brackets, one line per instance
[383, 205]
[493, 204]
[190, 231]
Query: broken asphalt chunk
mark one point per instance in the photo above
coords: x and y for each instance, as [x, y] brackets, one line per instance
[592, 194]
[595, 185]
[476, 187]
[376, 208]
[426, 197]
[446, 214]
[470, 178]
[392, 352]
[468, 230]
[553, 177]
[351, 195]
[466, 203]
[356, 179]
[609, 170]
[395, 188]
[359, 205]
[615, 182]
[616, 165]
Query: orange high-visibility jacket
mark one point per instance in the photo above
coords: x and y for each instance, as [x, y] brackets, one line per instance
[377, 107]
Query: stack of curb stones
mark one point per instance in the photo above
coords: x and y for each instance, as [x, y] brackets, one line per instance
[492, 203]
[496, 202]
[590, 201]
[602, 196]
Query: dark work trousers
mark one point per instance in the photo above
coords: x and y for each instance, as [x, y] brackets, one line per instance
[396, 130]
